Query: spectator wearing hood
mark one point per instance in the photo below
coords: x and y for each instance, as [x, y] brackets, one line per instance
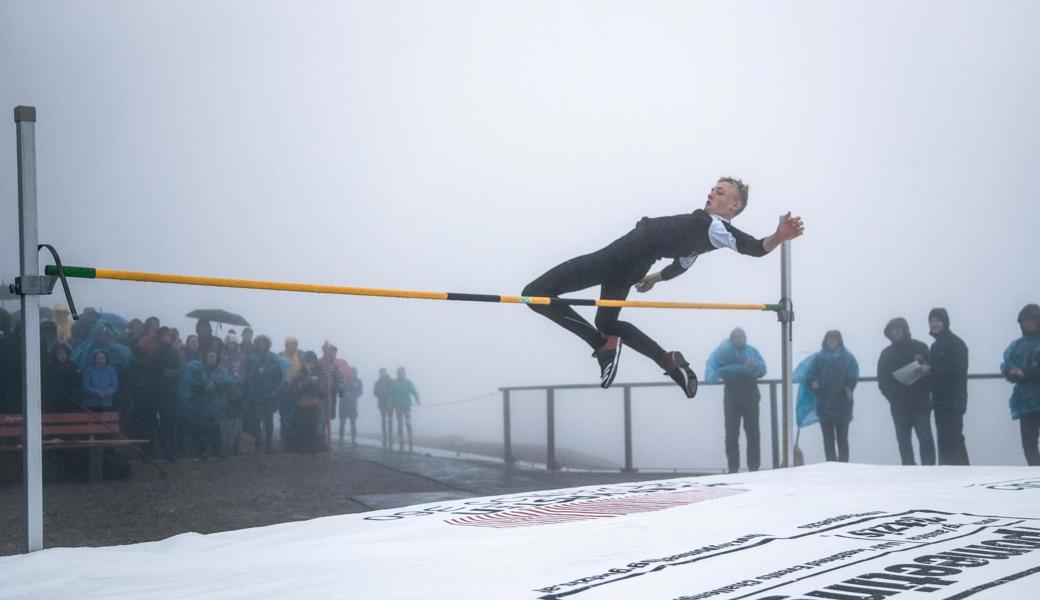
[102, 337]
[833, 375]
[61, 381]
[739, 367]
[947, 369]
[100, 383]
[910, 405]
[1021, 367]
[48, 338]
[82, 328]
[263, 387]
[208, 385]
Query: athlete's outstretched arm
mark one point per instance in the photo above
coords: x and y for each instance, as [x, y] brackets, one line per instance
[788, 229]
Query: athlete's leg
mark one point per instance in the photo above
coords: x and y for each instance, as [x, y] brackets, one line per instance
[607, 323]
[570, 276]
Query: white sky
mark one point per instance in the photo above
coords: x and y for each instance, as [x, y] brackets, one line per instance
[470, 146]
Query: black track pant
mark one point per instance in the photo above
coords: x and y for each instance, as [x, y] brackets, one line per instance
[616, 269]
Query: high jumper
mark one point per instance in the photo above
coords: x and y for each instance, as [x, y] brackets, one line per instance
[626, 262]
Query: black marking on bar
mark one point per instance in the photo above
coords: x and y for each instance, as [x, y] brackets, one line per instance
[474, 297]
[573, 301]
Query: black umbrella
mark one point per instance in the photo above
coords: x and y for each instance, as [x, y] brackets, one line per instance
[216, 315]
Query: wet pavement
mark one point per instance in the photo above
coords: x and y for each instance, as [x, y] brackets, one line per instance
[470, 477]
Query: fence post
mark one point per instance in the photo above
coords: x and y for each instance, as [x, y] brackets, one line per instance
[550, 422]
[507, 427]
[774, 426]
[628, 431]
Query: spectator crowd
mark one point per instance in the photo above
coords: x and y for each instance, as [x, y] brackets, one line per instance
[920, 382]
[200, 396]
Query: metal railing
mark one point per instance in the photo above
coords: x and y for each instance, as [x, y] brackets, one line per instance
[872, 417]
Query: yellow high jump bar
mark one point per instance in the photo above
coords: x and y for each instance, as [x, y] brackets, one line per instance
[252, 284]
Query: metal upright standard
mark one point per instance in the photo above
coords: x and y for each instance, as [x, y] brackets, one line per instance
[28, 287]
[786, 316]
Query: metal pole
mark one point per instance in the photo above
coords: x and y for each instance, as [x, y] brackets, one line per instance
[32, 437]
[628, 430]
[774, 425]
[786, 331]
[550, 422]
[507, 442]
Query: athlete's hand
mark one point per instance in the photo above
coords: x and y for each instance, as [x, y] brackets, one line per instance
[646, 284]
[789, 227]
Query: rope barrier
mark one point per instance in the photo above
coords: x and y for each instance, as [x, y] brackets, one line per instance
[92, 273]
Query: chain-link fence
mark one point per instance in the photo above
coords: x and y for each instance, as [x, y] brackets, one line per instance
[649, 426]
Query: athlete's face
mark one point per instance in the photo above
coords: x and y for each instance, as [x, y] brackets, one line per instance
[723, 200]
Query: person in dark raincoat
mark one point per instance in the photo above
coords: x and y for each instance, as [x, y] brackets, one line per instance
[910, 405]
[381, 390]
[263, 388]
[948, 370]
[1021, 367]
[208, 385]
[307, 396]
[61, 381]
[168, 370]
[739, 367]
[833, 375]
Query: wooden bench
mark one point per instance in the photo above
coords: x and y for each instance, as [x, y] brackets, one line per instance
[94, 432]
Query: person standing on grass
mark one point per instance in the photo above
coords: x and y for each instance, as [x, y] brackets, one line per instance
[626, 262]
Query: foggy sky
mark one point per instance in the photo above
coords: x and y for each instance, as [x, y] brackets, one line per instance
[470, 146]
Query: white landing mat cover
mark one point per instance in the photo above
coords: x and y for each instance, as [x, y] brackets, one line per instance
[832, 531]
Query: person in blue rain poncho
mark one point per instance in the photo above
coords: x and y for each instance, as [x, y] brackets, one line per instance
[103, 337]
[739, 367]
[1021, 367]
[205, 402]
[831, 376]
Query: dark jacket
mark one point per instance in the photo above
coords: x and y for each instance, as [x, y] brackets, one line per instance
[61, 383]
[684, 235]
[949, 362]
[894, 357]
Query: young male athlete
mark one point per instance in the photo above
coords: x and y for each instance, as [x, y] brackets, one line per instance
[627, 260]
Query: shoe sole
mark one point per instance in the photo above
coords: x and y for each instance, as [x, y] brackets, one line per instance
[608, 378]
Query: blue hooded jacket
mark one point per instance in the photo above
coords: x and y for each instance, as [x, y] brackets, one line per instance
[198, 404]
[98, 380]
[1024, 353]
[727, 364]
[119, 356]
